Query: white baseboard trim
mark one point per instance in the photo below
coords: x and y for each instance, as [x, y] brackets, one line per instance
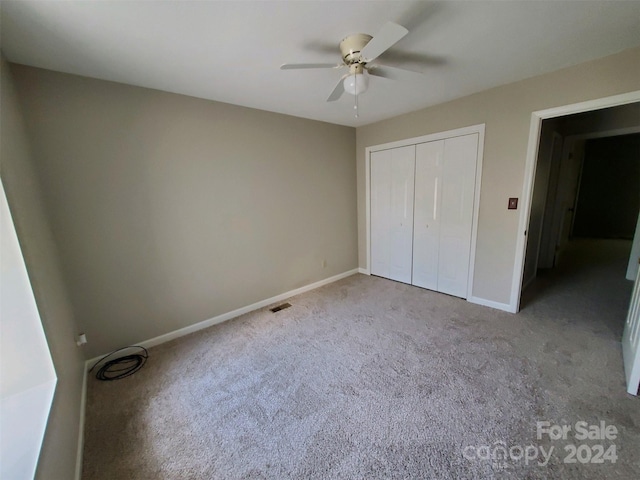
[490, 303]
[233, 314]
[83, 404]
[364, 271]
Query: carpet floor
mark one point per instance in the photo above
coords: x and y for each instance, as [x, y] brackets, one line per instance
[368, 378]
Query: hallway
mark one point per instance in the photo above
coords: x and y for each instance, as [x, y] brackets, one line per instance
[587, 289]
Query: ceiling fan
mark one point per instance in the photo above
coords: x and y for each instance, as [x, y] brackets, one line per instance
[358, 52]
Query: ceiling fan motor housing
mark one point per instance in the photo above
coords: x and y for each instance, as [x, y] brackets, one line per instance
[351, 46]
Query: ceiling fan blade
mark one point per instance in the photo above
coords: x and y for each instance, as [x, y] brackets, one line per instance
[392, 73]
[395, 56]
[300, 66]
[379, 72]
[337, 91]
[321, 47]
[389, 35]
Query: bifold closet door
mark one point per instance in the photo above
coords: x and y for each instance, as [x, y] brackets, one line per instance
[444, 198]
[427, 211]
[392, 183]
[458, 191]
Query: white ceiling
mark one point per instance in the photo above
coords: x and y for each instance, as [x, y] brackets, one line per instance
[231, 51]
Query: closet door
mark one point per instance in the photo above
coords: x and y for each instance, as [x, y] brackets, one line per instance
[392, 184]
[426, 225]
[458, 188]
[380, 212]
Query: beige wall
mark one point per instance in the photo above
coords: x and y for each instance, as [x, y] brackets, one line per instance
[506, 111]
[170, 210]
[58, 455]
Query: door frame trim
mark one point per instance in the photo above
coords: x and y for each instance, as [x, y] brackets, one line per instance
[530, 171]
[479, 129]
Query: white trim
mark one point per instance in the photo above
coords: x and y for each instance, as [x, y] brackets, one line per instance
[490, 303]
[367, 204]
[167, 337]
[432, 137]
[590, 105]
[527, 189]
[530, 170]
[83, 404]
[479, 129]
[476, 211]
[364, 271]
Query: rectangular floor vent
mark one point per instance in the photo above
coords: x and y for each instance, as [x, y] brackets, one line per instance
[280, 307]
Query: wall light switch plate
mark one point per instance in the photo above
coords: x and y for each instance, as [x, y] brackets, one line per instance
[513, 204]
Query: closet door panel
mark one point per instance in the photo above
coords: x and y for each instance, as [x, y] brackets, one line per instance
[401, 229]
[392, 181]
[380, 212]
[458, 187]
[426, 226]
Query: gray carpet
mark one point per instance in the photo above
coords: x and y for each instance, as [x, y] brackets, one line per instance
[368, 378]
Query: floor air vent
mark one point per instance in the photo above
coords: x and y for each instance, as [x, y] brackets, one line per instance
[280, 307]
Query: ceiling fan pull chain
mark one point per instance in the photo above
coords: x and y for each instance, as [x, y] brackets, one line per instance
[355, 107]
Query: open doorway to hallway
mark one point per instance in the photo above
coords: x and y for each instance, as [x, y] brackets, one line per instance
[585, 198]
[592, 120]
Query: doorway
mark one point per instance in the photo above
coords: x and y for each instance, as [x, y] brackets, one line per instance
[586, 186]
[573, 123]
[582, 219]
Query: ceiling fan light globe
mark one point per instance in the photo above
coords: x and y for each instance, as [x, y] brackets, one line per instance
[357, 83]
